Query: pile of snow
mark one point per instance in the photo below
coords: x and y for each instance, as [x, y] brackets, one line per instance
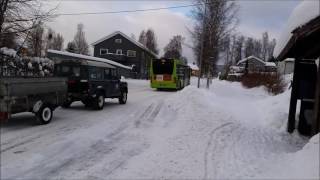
[8, 52]
[302, 14]
[303, 164]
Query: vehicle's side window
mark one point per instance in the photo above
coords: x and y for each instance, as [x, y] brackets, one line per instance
[76, 71]
[107, 73]
[96, 73]
[113, 73]
[65, 69]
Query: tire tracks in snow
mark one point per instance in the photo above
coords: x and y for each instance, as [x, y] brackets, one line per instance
[149, 115]
[209, 144]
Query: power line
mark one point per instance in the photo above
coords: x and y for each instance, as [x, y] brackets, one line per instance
[127, 11]
[150, 9]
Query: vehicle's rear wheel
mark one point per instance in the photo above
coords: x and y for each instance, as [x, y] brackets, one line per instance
[123, 98]
[44, 115]
[98, 102]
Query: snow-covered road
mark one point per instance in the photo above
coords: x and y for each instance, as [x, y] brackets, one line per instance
[226, 132]
[79, 142]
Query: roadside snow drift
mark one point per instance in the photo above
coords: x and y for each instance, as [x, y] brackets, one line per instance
[226, 132]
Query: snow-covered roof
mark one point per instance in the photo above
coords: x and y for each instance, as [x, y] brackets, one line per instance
[289, 60]
[250, 57]
[302, 14]
[127, 37]
[193, 66]
[258, 59]
[270, 64]
[89, 58]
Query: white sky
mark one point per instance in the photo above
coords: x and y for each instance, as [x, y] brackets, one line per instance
[256, 16]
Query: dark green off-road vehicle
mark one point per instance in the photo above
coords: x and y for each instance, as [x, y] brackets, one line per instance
[91, 82]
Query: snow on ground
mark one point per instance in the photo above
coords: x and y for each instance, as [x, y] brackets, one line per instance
[227, 132]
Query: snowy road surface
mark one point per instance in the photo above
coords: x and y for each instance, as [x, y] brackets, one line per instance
[226, 132]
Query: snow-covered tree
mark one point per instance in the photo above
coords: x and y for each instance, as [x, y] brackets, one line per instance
[143, 38]
[265, 46]
[174, 48]
[54, 41]
[80, 41]
[151, 41]
[213, 23]
[18, 17]
[58, 42]
[35, 40]
[71, 47]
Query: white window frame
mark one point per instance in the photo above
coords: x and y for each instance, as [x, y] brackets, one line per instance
[118, 41]
[105, 50]
[119, 50]
[132, 51]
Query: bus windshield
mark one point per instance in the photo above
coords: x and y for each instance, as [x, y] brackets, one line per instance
[163, 66]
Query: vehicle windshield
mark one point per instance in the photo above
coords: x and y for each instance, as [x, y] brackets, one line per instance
[163, 66]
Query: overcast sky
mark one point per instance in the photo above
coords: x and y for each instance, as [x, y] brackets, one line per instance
[256, 16]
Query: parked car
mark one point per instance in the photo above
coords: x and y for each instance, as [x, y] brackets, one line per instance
[40, 96]
[91, 82]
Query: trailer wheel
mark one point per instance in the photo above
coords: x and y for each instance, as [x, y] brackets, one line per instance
[44, 115]
[123, 98]
[98, 102]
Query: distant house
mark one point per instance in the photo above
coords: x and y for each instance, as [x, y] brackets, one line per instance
[120, 48]
[286, 66]
[256, 64]
[194, 69]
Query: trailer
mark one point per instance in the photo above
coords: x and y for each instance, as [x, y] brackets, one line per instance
[40, 96]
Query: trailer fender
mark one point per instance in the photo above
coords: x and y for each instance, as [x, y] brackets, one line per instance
[37, 106]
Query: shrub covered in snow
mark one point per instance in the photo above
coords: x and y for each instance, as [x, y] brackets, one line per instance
[13, 65]
[8, 52]
[273, 82]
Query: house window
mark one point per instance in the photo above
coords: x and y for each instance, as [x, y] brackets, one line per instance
[131, 53]
[103, 51]
[119, 52]
[119, 41]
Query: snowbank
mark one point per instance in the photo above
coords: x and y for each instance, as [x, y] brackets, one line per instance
[226, 132]
[303, 164]
[302, 14]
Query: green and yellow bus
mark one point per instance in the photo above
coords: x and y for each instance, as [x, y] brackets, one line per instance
[169, 74]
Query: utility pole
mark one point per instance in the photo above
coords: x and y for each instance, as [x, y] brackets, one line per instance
[202, 42]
